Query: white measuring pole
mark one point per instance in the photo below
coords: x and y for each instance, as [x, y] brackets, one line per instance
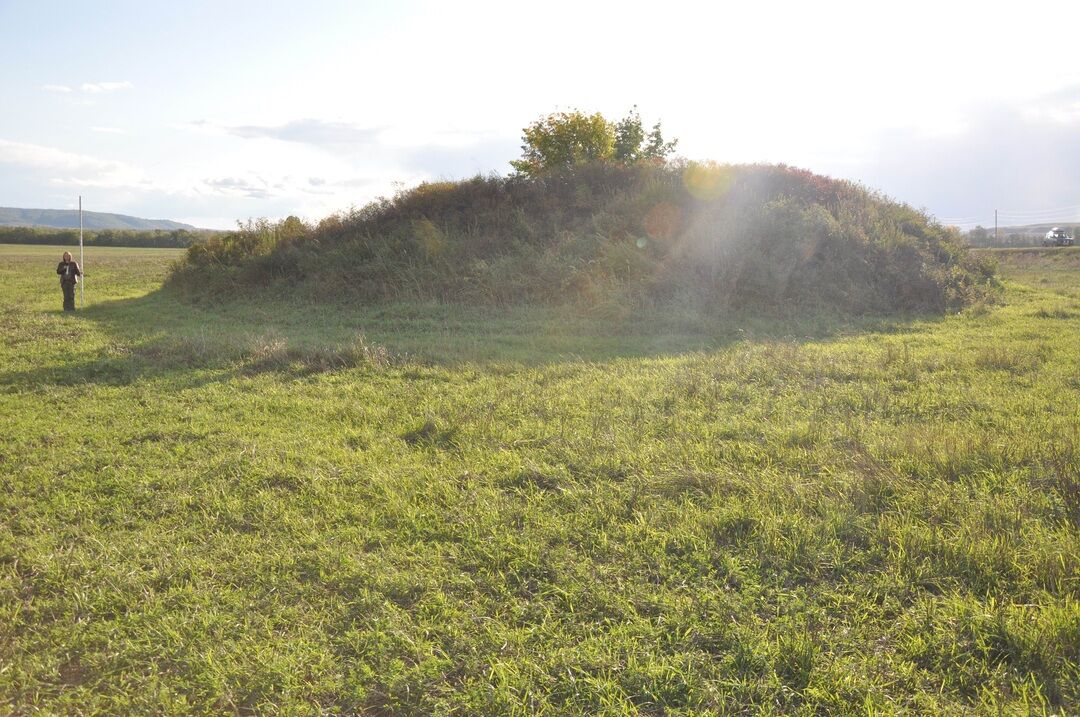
[82, 263]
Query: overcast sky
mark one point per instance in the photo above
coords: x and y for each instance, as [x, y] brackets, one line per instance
[210, 112]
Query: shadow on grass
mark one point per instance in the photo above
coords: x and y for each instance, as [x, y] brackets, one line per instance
[161, 335]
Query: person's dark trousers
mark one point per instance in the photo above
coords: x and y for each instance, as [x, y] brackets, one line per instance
[69, 296]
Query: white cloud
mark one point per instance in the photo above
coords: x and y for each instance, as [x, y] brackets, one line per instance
[116, 181]
[98, 87]
[108, 130]
[315, 132]
[37, 156]
[71, 169]
[56, 88]
[257, 188]
[1011, 158]
[1057, 109]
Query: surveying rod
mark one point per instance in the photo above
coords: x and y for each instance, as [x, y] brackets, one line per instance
[82, 263]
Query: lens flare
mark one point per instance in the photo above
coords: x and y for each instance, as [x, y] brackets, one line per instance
[663, 221]
[708, 181]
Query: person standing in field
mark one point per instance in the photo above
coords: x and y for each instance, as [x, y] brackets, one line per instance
[69, 271]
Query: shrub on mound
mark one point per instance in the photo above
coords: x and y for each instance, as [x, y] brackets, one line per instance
[755, 237]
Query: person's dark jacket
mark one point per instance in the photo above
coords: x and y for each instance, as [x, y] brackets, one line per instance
[69, 272]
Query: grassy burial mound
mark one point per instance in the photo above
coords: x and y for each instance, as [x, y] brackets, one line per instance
[604, 235]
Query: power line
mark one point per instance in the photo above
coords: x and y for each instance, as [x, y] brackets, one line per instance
[1005, 218]
[1012, 217]
[1075, 211]
[1075, 208]
[1040, 222]
[961, 220]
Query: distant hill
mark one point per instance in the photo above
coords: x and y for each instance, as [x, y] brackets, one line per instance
[69, 219]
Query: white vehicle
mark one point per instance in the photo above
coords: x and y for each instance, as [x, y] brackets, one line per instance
[1057, 237]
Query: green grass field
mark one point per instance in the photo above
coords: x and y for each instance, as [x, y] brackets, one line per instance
[276, 508]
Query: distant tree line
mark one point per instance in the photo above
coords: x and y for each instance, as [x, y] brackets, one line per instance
[153, 238]
[980, 236]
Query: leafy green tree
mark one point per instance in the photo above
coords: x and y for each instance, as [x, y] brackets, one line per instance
[656, 147]
[979, 236]
[629, 136]
[564, 139]
[632, 144]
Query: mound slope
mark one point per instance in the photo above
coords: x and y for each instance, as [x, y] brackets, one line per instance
[718, 237]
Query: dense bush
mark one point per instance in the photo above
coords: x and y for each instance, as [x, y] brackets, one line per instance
[562, 140]
[719, 236]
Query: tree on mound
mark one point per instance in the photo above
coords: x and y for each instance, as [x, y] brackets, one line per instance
[563, 140]
[617, 235]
